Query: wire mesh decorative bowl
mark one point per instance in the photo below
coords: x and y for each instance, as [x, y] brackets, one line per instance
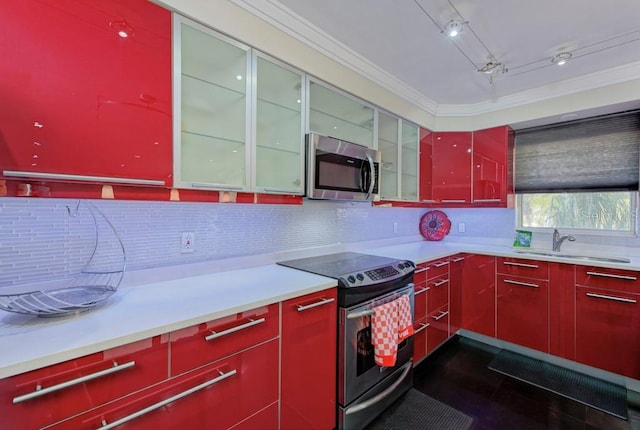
[97, 280]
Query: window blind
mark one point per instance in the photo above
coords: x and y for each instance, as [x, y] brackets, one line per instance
[595, 154]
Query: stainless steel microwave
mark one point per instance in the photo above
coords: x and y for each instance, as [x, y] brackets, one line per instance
[340, 170]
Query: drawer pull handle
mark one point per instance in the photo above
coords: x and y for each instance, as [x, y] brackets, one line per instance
[613, 275]
[165, 402]
[251, 323]
[444, 263]
[423, 290]
[615, 299]
[522, 284]
[442, 315]
[453, 201]
[439, 283]
[217, 186]
[457, 260]
[424, 269]
[315, 305]
[530, 266]
[486, 200]
[43, 391]
[423, 326]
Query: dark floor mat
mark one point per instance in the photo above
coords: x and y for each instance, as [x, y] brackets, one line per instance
[596, 393]
[416, 410]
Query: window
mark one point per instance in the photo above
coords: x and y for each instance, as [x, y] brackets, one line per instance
[579, 175]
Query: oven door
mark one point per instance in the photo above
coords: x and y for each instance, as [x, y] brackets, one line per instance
[341, 170]
[357, 371]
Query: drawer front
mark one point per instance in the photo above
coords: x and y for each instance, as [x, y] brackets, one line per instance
[523, 311]
[438, 293]
[198, 345]
[522, 267]
[266, 419]
[438, 268]
[420, 301]
[607, 326]
[421, 273]
[77, 385]
[420, 327]
[214, 397]
[438, 330]
[609, 279]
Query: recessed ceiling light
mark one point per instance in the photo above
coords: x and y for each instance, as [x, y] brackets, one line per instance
[561, 58]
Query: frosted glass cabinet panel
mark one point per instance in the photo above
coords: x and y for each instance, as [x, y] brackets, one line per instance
[409, 182]
[337, 115]
[211, 108]
[279, 134]
[388, 146]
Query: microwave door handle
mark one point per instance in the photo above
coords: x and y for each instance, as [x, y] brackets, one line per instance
[371, 176]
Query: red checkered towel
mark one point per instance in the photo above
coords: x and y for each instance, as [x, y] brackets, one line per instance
[390, 325]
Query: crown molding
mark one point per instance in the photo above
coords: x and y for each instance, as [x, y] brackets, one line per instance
[300, 29]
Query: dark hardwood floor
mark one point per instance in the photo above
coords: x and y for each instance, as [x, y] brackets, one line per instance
[458, 375]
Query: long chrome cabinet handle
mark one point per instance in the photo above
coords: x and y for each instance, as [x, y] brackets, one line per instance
[43, 391]
[439, 283]
[487, 200]
[423, 326]
[457, 260]
[615, 299]
[522, 284]
[424, 290]
[442, 315]
[424, 269]
[251, 323]
[64, 176]
[217, 187]
[165, 402]
[444, 263]
[530, 266]
[453, 201]
[315, 305]
[375, 399]
[612, 275]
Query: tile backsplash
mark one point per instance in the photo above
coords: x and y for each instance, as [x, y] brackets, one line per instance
[40, 240]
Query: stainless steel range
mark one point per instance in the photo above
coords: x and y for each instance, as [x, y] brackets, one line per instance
[364, 282]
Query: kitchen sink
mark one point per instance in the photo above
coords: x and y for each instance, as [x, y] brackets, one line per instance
[575, 256]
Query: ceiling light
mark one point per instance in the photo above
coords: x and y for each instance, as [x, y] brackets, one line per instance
[561, 58]
[453, 28]
[490, 67]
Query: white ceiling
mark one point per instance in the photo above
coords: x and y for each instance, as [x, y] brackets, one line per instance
[399, 42]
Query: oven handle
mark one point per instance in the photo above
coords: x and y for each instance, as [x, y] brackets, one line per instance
[367, 312]
[375, 399]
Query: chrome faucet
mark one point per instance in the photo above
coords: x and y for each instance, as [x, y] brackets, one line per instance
[557, 239]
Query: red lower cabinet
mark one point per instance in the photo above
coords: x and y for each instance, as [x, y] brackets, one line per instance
[216, 396]
[607, 327]
[44, 396]
[523, 311]
[309, 341]
[562, 310]
[266, 419]
[478, 294]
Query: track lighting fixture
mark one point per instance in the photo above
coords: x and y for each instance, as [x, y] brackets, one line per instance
[561, 58]
[454, 28]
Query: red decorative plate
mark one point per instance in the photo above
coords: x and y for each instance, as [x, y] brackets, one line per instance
[434, 225]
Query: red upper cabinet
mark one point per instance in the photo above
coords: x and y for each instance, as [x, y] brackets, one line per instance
[80, 98]
[426, 152]
[490, 166]
[451, 164]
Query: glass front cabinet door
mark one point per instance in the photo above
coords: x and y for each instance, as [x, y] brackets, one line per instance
[333, 113]
[238, 115]
[409, 148]
[279, 125]
[388, 130]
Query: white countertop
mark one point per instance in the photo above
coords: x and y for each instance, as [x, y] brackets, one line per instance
[157, 301]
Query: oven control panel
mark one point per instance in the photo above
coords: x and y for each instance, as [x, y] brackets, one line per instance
[377, 275]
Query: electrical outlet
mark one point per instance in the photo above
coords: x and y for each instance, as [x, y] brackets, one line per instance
[187, 244]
